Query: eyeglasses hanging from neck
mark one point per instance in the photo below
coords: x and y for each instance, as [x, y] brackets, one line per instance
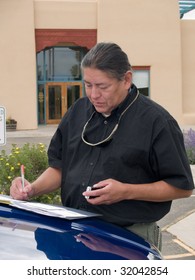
[109, 137]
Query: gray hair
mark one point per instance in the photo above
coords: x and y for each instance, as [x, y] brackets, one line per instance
[107, 57]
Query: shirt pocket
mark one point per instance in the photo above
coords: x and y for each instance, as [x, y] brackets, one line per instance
[124, 162]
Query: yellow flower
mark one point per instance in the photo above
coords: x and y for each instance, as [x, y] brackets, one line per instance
[9, 177]
[41, 145]
[12, 168]
[7, 163]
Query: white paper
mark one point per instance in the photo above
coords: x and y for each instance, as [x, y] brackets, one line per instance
[47, 209]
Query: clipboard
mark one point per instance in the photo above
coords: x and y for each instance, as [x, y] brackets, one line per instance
[57, 211]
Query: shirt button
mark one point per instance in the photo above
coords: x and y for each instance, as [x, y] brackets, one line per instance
[105, 122]
[91, 163]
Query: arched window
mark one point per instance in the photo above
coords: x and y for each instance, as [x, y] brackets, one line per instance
[59, 81]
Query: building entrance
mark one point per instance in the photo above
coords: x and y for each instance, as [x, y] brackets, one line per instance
[59, 81]
[59, 97]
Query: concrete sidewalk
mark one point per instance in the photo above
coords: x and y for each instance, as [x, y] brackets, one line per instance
[41, 131]
[181, 230]
[184, 230]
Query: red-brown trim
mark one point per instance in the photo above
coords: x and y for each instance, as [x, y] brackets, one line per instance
[51, 37]
[141, 67]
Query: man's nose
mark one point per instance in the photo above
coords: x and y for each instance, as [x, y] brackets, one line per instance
[95, 93]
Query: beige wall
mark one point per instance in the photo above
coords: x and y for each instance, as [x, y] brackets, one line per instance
[149, 31]
[17, 60]
[188, 70]
[65, 14]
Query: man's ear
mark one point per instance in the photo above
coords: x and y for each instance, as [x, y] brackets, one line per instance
[128, 79]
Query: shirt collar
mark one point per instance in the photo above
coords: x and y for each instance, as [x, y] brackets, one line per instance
[128, 99]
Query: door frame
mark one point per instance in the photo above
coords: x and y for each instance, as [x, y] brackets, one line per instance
[64, 103]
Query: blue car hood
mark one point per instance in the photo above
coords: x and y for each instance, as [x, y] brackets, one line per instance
[26, 235]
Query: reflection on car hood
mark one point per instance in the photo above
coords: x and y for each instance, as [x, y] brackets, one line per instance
[26, 235]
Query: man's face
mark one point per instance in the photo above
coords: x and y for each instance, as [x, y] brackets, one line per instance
[105, 92]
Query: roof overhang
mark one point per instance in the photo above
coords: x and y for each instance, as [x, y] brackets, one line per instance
[186, 6]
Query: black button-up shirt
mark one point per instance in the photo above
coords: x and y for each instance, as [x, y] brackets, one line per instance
[147, 147]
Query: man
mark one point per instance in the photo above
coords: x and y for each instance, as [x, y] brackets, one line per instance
[125, 146]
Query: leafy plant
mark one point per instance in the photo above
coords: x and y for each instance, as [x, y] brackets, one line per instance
[189, 141]
[11, 121]
[34, 158]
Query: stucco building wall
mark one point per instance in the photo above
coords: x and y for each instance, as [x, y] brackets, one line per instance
[188, 70]
[17, 60]
[151, 32]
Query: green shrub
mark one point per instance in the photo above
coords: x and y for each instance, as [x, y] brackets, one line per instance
[34, 158]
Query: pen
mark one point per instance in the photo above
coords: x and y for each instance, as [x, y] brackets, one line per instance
[22, 175]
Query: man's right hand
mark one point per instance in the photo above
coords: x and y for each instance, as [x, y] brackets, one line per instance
[17, 192]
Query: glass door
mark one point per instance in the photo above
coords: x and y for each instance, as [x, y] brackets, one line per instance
[59, 97]
[55, 96]
[73, 92]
